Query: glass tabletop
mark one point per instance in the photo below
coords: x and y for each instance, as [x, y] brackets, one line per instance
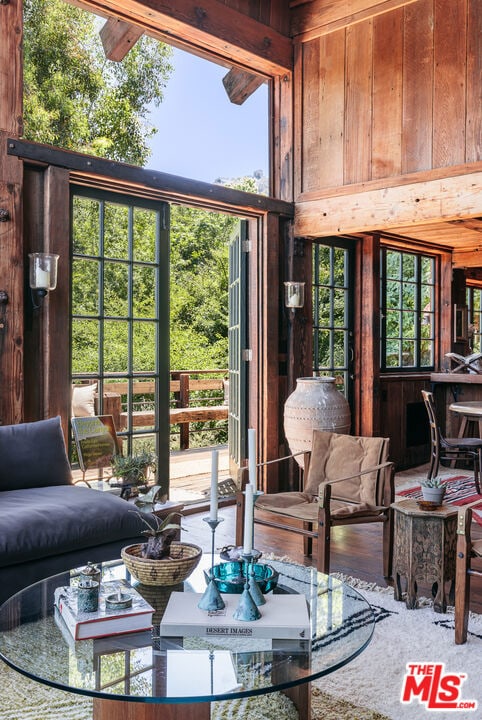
[147, 666]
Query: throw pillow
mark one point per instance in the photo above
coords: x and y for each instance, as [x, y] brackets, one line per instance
[83, 400]
[33, 455]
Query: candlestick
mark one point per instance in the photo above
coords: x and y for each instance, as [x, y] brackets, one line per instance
[211, 599]
[247, 609]
[213, 512]
[252, 457]
[248, 520]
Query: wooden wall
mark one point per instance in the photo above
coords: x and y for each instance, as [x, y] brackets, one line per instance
[395, 94]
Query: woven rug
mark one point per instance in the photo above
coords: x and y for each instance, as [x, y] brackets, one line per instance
[460, 491]
[368, 688]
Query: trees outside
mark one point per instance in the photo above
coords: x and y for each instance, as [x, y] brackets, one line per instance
[76, 99]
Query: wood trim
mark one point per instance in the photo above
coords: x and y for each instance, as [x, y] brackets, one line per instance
[402, 206]
[11, 67]
[369, 366]
[211, 27]
[118, 37]
[86, 169]
[319, 17]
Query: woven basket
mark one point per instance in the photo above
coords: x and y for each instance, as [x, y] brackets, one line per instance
[169, 571]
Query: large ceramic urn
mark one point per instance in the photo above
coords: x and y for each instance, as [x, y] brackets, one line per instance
[315, 404]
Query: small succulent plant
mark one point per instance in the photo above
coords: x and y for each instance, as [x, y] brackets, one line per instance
[435, 482]
[160, 534]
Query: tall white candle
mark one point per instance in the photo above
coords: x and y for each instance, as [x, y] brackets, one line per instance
[42, 278]
[213, 512]
[248, 520]
[252, 457]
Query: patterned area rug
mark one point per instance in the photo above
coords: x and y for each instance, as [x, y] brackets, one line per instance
[460, 491]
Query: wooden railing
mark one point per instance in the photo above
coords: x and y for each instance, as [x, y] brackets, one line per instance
[181, 413]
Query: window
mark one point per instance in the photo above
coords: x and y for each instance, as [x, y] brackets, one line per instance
[408, 310]
[474, 305]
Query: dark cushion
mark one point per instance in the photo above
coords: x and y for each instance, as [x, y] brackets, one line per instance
[53, 520]
[33, 455]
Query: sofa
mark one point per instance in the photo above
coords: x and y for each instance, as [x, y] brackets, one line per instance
[48, 524]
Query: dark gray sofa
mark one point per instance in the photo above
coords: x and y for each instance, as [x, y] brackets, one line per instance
[47, 524]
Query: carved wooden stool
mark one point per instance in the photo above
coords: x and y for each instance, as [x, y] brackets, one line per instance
[424, 551]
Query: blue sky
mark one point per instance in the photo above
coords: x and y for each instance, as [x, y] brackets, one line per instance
[201, 134]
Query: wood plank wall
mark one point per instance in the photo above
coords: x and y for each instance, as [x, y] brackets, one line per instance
[395, 94]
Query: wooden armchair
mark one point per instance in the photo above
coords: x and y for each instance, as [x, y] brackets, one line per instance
[347, 480]
[467, 550]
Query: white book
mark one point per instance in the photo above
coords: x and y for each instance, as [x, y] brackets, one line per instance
[104, 621]
[283, 617]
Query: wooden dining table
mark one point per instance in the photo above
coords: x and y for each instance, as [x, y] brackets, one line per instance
[470, 412]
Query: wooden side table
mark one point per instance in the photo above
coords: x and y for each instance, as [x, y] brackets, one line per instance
[424, 551]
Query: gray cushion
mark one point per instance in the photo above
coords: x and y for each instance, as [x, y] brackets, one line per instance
[53, 520]
[33, 455]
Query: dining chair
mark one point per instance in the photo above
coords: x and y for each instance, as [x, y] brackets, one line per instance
[450, 449]
[467, 551]
[346, 480]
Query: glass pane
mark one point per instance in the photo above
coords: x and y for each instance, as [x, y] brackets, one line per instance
[409, 295]
[409, 325]
[145, 234]
[393, 352]
[115, 346]
[143, 346]
[85, 287]
[324, 354]
[340, 308]
[394, 324]
[340, 267]
[115, 289]
[408, 354]
[426, 296]
[85, 226]
[427, 325]
[409, 267]
[324, 297]
[324, 265]
[393, 260]
[426, 354]
[85, 346]
[393, 299]
[339, 353]
[427, 270]
[144, 292]
[116, 231]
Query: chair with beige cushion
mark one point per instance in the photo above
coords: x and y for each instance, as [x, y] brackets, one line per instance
[347, 480]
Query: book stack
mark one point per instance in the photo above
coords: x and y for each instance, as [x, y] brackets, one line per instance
[104, 621]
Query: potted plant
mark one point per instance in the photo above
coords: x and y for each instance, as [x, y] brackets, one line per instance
[433, 490]
[161, 560]
[133, 469]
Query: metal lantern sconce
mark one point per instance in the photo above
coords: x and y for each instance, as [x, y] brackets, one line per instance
[42, 275]
[294, 295]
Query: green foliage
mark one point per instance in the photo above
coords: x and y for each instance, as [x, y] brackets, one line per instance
[134, 468]
[75, 98]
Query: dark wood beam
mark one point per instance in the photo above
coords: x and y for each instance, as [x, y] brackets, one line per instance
[118, 37]
[320, 17]
[239, 85]
[212, 28]
[87, 169]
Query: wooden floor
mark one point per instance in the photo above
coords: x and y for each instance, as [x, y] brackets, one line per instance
[356, 549]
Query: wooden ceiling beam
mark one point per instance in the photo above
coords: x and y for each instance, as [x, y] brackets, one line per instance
[402, 206]
[118, 37]
[319, 17]
[212, 28]
[239, 85]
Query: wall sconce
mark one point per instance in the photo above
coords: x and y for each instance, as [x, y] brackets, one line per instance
[42, 275]
[294, 294]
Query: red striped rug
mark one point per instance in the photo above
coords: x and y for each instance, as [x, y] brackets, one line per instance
[460, 491]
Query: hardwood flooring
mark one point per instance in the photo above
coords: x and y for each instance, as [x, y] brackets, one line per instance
[355, 550]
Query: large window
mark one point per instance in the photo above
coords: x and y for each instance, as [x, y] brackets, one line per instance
[408, 310]
[474, 305]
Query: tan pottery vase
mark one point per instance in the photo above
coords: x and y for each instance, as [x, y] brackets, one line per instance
[315, 404]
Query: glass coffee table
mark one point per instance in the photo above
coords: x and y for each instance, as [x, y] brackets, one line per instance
[144, 675]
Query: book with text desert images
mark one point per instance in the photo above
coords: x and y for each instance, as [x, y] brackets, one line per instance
[282, 617]
[103, 621]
